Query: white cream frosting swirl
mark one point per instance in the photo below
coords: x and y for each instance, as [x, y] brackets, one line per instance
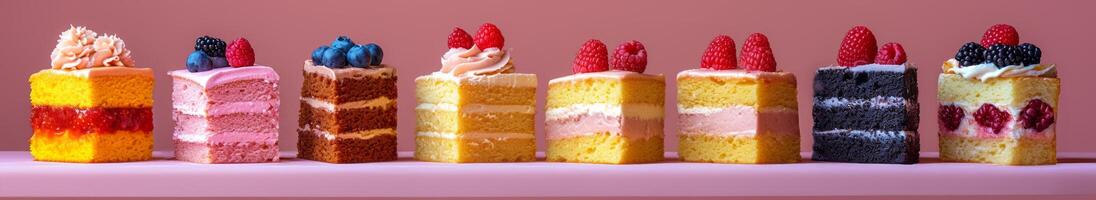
[986, 71]
[473, 61]
[80, 48]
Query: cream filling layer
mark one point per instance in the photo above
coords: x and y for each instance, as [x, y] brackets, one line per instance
[366, 134]
[737, 120]
[477, 108]
[476, 135]
[638, 111]
[379, 102]
[874, 102]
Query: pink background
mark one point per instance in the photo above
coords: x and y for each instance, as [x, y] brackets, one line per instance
[544, 36]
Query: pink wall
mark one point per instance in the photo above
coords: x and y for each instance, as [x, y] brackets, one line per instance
[545, 36]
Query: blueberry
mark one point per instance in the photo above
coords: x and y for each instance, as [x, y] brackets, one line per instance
[334, 58]
[343, 43]
[317, 55]
[219, 62]
[375, 54]
[358, 56]
[198, 62]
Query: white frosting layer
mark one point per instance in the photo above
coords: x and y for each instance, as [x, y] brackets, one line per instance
[709, 110]
[614, 74]
[872, 68]
[505, 80]
[478, 108]
[350, 72]
[986, 71]
[639, 111]
[366, 134]
[473, 62]
[379, 102]
[871, 133]
[477, 135]
[218, 76]
[875, 102]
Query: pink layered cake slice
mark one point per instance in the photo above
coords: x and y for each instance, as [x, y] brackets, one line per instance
[225, 114]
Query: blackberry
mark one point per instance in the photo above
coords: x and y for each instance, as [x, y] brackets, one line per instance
[971, 54]
[1004, 55]
[211, 46]
[1032, 54]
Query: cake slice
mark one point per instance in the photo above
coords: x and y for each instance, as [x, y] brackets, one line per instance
[348, 109]
[92, 105]
[997, 106]
[731, 115]
[225, 113]
[866, 110]
[476, 109]
[600, 116]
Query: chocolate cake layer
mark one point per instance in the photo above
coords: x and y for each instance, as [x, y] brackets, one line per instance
[866, 117]
[348, 89]
[846, 83]
[348, 120]
[346, 150]
[866, 147]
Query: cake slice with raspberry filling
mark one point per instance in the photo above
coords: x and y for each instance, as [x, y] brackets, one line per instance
[998, 102]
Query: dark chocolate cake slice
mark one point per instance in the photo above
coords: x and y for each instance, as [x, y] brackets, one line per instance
[866, 114]
[348, 114]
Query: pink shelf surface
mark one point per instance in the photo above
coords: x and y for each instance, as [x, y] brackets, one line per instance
[19, 176]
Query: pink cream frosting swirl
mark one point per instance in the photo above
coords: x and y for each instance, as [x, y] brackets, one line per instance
[80, 48]
[475, 62]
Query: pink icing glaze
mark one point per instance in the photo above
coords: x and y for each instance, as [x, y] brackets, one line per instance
[215, 77]
[740, 120]
[586, 124]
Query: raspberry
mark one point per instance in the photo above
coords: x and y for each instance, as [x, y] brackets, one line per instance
[858, 48]
[757, 55]
[991, 117]
[630, 56]
[592, 57]
[950, 117]
[720, 54]
[240, 54]
[460, 39]
[971, 54]
[489, 36]
[210, 45]
[1031, 54]
[891, 54]
[1004, 55]
[1001, 34]
[1037, 115]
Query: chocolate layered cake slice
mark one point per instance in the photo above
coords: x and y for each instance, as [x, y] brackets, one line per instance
[348, 112]
[866, 110]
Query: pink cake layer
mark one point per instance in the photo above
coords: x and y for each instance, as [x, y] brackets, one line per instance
[587, 124]
[228, 152]
[740, 120]
[235, 122]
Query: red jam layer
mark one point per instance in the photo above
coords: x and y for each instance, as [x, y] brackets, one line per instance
[92, 120]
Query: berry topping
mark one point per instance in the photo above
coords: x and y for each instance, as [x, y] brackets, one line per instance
[240, 54]
[991, 117]
[1037, 115]
[358, 56]
[343, 43]
[212, 46]
[375, 54]
[720, 54]
[891, 54]
[219, 62]
[971, 54]
[1004, 55]
[1001, 34]
[950, 117]
[489, 36]
[198, 61]
[334, 58]
[1032, 54]
[592, 57]
[460, 39]
[317, 55]
[858, 48]
[757, 55]
[630, 56]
